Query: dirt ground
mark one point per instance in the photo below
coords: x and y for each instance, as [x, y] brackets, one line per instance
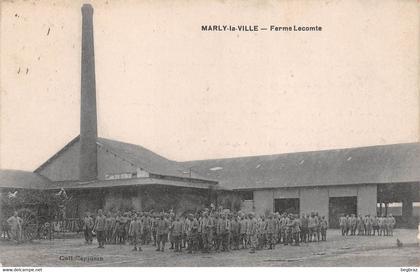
[337, 251]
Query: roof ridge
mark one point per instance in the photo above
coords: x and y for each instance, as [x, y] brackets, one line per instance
[301, 152]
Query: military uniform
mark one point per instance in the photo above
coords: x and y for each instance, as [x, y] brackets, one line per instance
[177, 230]
[206, 227]
[100, 229]
[271, 231]
[162, 230]
[324, 227]
[136, 231]
[243, 232]
[360, 225]
[191, 229]
[342, 223]
[253, 231]
[235, 233]
[304, 228]
[87, 229]
[353, 224]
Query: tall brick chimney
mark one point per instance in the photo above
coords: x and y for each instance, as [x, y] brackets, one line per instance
[88, 163]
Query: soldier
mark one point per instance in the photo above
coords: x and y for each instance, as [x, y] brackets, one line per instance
[381, 224]
[191, 228]
[235, 232]
[289, 229]
[261, 232]
[162, 230]
[171, 219]
[109, 221]
[184, 234]
[348, 227]
[313, 224]
[99, 228]
[391, 225]
[368, 225]
[296, 230]
[127, 225]
[243, 231]
[342, 223]
[224, 229]
[375, 225]
[304, 228]
[88, 227]
[147, 224]
[15, 223]
[271, 230]
[121, 222]
[177, 229]
[353, 224]
[153, 227]
[283, 223]
[324, 227]
[252, 229]
[206, 231]
[360, 225]
[277, 234]
[136, 231]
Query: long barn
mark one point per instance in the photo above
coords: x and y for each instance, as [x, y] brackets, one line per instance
[104, 173]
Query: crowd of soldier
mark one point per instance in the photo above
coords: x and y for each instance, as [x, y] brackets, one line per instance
[367, 225]
[205, 231]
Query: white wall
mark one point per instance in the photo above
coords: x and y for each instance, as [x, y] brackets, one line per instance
[317, 198]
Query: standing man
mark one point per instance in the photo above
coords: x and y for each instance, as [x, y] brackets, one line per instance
[135, 231]
[342, 222]
[191, 228]
[235, 232]
[100, 228]
[206, 232]
[177, 229]
[391, 224]
[15, 223]
[296, 230]
[271, 231]
[88, 227]
[353, 224]
[360, 225]
[304, 228]
[252, 228]
[162, 230]
[312, 223]
[243, 231]
[324, 227]
[108, 228]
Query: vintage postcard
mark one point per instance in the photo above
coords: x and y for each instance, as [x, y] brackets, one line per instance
[209, 134]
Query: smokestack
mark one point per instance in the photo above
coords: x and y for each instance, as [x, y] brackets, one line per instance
[88, 165]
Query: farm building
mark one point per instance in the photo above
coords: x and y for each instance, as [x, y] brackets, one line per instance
[104, 173]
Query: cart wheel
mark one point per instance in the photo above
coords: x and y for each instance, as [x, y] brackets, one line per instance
[29, 225]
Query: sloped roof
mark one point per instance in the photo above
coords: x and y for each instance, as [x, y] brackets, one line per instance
[362, 165]
[69, 184]
[22, 180]
[146, 159]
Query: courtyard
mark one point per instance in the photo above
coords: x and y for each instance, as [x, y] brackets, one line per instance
[337, 251]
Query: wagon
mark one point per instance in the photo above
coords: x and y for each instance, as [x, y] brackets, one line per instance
[33, 208]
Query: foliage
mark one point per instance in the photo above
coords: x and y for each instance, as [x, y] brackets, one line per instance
[31, 199]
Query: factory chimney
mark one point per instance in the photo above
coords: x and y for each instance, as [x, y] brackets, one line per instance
[88, 164]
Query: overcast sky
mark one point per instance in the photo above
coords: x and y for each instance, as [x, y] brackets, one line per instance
[186, 94]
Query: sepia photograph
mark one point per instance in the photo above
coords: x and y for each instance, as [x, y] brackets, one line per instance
[272, 133]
